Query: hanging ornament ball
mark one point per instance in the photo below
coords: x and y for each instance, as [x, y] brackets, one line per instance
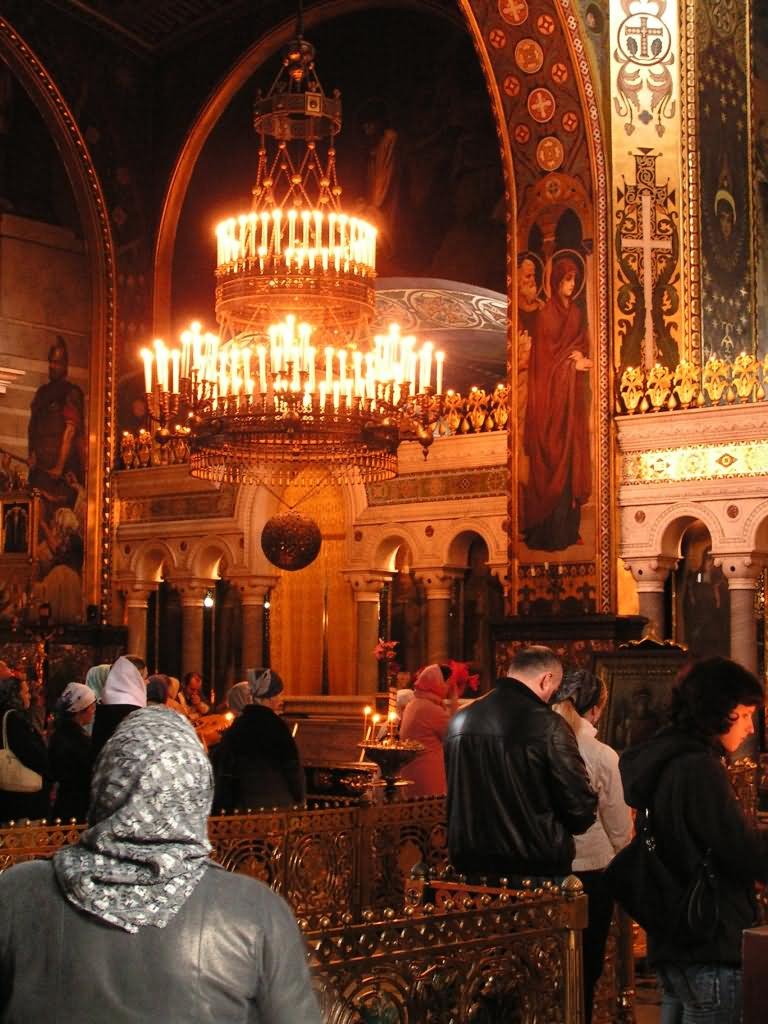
[291, 541]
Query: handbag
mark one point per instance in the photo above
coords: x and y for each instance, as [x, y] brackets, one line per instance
[15, 777]
[640, 881]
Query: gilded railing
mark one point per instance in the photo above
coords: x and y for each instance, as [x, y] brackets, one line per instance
[355, 857]
[719, 382]
[516, 958]
[450, 415]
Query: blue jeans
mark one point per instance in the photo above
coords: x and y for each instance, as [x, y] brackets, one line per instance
[700, 993]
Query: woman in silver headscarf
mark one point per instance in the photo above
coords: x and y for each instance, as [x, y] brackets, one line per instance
[139, 924]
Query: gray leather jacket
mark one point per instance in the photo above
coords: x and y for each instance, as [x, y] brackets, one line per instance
[232, 955]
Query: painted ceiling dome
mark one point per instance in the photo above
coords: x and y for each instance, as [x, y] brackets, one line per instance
[468, 323]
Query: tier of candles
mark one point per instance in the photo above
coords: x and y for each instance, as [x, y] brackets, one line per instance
[300, 241]
[289, 364]
[371, 722]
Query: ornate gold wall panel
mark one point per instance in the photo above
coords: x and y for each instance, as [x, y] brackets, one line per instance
[650, 293]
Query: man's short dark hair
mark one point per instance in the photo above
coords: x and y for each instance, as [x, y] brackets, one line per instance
[137, 661]
[706, 693]
[189, 676]
[533, 659]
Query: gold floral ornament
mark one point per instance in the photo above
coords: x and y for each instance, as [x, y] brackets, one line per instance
[632, 387]
[686, 383]
[477, 409]
[659, 386]
[452, 413]
[716, 378]
[744, 376]
[500, 406]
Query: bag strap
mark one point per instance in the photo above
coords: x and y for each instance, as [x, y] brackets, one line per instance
[5, 729]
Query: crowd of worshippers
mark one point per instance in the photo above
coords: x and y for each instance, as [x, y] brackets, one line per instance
[533, 796]
[255, 758]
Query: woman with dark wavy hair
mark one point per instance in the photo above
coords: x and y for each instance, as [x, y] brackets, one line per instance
[28, 746]
[680, 776]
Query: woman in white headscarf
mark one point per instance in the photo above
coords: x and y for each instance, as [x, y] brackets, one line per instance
[124, 690]
[134, 922]
[69, 752]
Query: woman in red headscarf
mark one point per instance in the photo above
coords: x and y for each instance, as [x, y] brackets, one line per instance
[426, 720]
[556, 435]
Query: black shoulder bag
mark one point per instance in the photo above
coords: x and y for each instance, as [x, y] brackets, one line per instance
[652, 895]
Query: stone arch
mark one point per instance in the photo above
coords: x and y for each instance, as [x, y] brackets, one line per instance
[149, 559]
[94, 218]
[672, 524]
[386, 548]
[457, 547]
[756, 528]
[206, 556]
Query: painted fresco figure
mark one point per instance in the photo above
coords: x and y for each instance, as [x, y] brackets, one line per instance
[384, 174]
[556, 431]
[56, 434]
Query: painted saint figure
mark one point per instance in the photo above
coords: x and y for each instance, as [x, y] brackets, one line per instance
[56, 432]
[556, 434]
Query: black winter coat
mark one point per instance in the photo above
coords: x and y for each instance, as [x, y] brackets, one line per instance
[105, 722]
[518, 789]
[71, 761]
[29, 746]
[257, 764]
[684, 782]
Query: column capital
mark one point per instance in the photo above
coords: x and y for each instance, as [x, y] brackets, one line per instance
[742, 569]
[136, 592]
[501, 571]
[192, 590]
[367, 584]
[253, 588]
[438, 580]
[650, 573]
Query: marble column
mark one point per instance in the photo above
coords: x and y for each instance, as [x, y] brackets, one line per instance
[438, 589]
[192, 593]
[367, 587]
[136, 604]
[650, 575]
[742, 573]
[254, 591]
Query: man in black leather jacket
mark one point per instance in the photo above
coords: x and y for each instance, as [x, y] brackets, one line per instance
[518, 790]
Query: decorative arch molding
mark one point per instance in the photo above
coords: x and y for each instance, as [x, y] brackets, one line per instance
[384, 544]
[458, 541]
[206, 554]
[755, 529]
[149, 558]
[92, 209]
[670, 526]
[496, 29]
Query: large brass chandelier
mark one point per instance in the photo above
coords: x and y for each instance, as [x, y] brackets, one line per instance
[293, 382]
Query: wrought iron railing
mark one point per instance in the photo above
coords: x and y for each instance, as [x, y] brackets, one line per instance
[719, 382]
